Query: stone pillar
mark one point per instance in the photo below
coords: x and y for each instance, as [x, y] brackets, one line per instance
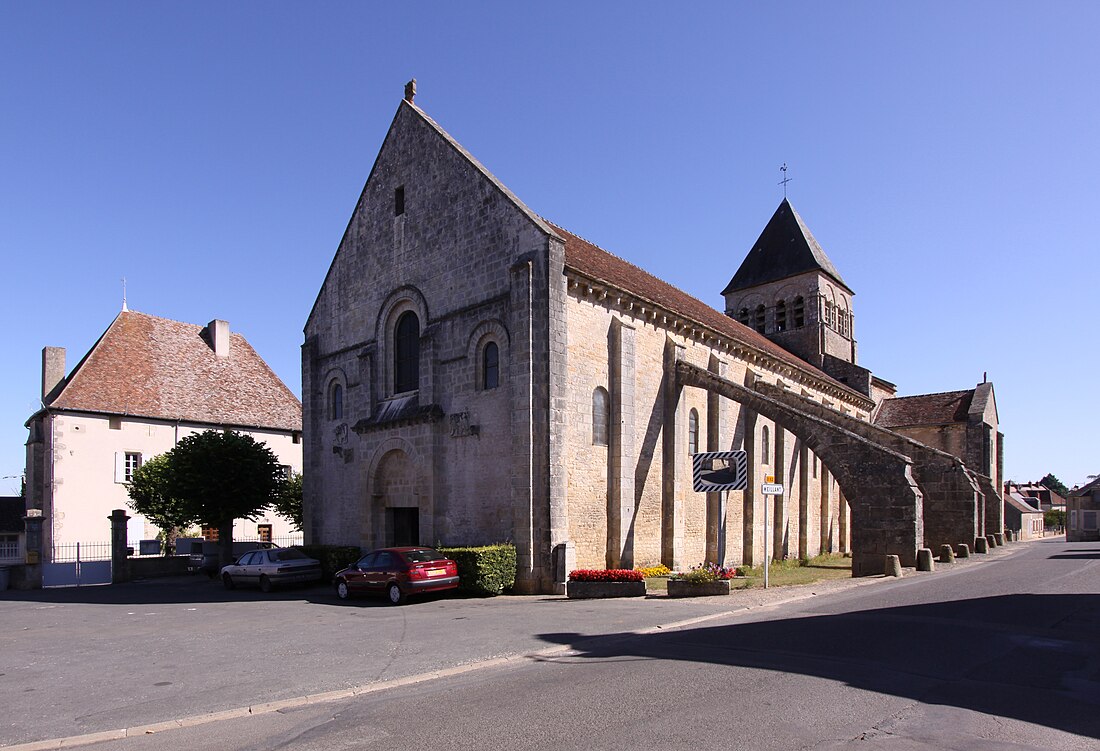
[521, 372]
[826, 521]
[843, 526]
[673, 448]
[749, 537]
[621, 452]
[32, 571]
[120, 562]
[717, 547]
[780, 535]
[803, 500]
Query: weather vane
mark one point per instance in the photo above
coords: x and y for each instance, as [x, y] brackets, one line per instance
[785, 179]
[124, 308]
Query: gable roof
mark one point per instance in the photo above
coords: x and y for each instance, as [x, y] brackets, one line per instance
[925, 409]
[784, 249]
[600, 265]
[1020, 503]
[1086, 490]
[155, 367]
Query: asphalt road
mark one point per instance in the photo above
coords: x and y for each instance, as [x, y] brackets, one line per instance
[1002, 652]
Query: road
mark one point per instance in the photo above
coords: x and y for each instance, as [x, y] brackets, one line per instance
[999, 653]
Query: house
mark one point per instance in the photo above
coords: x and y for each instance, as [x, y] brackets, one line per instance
[1045, 498]
[1022, 516]
[474, 373]
[1083, 513]
[11, 530]
[145, 384]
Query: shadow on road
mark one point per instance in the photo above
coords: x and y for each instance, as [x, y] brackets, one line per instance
[195, 589]
[1034, 658]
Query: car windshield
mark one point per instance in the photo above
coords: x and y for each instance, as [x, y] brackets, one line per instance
[420, 555]
[287, 554]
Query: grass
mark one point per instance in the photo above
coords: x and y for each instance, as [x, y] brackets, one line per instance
[780, 574]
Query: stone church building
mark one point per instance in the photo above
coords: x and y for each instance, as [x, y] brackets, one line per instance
[473, 373]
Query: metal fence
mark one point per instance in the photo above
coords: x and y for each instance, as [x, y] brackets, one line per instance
[9, 551]
[81, 551]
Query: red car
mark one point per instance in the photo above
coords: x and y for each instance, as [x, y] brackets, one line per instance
[397, 573]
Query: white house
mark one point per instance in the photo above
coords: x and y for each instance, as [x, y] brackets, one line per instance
[147, 383]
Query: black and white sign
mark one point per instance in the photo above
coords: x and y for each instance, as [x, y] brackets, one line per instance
[771, 488]
[719, 470]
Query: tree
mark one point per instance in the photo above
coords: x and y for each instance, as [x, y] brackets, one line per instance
[221, 476]
[1053, 483]
[288, 502]
[149, 496]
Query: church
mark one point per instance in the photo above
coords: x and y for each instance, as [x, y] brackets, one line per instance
[473, 373]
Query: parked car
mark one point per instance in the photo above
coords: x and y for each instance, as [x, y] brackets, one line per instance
[397, 573]
[204, 556]
[271, 567]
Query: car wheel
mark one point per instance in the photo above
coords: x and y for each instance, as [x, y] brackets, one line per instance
[265, 584]
[227, 581]
[342, 590]
[395, 594]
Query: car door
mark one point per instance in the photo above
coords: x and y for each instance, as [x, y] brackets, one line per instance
[378, 572]
[246, 568]
[356, 575]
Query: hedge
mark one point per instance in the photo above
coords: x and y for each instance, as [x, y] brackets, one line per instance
[486, 570]
[332, 557]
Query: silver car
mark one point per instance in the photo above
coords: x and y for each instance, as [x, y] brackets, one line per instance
[268, 568]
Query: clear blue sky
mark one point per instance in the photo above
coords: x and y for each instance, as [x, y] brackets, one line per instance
[944, 154]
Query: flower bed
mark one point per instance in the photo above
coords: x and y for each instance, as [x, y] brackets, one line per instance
[681, 588]
[595, 583]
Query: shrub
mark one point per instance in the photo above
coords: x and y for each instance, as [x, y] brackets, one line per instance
[706, 572]
[332, 557]
[658, 570]
[485, 570]
[609, 575]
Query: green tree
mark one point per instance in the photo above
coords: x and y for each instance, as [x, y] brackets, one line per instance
[1054, 519]
[288, 502]
[221, 476]
[1053, 483]
[149, 496]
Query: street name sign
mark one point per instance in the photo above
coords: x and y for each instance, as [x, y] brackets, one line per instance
[771, 488]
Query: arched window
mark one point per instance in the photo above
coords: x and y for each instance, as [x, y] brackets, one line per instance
[601, 416]
[693, 432]
[758, 323]
[765, 446]
[336, 402]
[799, 312]
[743, 316]
[406, 353]
[781, 315]
[490, 366]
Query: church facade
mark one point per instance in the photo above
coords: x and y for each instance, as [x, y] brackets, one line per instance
[475, 374]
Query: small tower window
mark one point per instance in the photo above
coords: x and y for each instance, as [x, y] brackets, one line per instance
[693, 432]
[601, 416]
[781, 315]
[490, 366]
[743, 316]
[758, 319]
[799, 312]
[399, 201]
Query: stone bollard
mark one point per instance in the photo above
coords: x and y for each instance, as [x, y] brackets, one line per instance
[947, 555]
[981, 545]
[924, 560]
[999, 538]
[893, 566]
[991, 541]
[964, 550]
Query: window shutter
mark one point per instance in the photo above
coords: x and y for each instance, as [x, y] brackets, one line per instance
[120, 466]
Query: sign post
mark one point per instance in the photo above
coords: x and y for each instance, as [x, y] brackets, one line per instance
[720, 472]
[769, 489]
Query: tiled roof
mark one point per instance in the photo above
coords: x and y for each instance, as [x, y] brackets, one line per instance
[153, 367]
[1021, 503]
[784, 249]
[599, 265]
[925, 409]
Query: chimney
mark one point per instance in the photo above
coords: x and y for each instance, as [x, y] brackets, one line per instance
[53, 369]
[219, 337]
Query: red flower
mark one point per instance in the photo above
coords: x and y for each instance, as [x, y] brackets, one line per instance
[608, 575]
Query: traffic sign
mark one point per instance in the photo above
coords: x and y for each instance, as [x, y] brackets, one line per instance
[771, 488]
[719, 470]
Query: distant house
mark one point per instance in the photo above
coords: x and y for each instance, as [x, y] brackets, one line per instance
[1045, 498]
[1083, 513]
[147, 383]
[11, 530]
[1022, 515]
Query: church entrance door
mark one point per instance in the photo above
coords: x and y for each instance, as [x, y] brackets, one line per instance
[402, 527]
